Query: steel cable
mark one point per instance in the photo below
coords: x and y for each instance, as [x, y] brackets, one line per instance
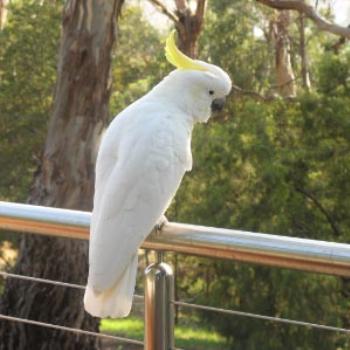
[70, 329]
[261, 317]
[137, 298]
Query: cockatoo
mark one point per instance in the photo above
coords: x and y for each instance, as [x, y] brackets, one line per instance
[143, 156]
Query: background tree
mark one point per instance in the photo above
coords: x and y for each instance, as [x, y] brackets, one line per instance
[188, 21]
[310, 12]
[305, 74]
[3, 13]
[285, 78]
[65, 179]
[26, 89]
[269, 167]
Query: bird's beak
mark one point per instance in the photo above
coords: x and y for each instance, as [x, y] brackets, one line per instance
[218, 104]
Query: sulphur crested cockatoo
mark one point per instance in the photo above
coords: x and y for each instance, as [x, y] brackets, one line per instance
[143, 156]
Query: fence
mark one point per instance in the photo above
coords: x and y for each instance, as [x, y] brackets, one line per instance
[279, 251]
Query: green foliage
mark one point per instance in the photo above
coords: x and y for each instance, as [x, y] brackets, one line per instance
[229, 40]
[280, 167]
[274, 168]
[28, 49]
[334, 74]
[138, 64]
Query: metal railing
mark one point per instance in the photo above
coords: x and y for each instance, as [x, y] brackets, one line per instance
[271, 250]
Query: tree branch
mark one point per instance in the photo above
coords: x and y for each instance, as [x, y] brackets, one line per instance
[165, 10]
[309, 11]
[201, 5]
[181, 5]
[239, 91]
[330, 220]
[266, 98]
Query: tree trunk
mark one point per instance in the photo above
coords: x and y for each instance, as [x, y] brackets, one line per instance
[285, 78]
[303, 54]
[189, 25]
[65, 179]
[3, 13]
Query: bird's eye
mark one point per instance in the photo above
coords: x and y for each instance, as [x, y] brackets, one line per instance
[211, 92]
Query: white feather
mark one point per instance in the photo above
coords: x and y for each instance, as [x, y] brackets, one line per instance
[142, 159]
[141, 162]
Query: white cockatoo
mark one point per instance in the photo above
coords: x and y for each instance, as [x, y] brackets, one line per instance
[143, 156]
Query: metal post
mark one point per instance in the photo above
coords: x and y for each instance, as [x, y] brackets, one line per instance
[159, 311]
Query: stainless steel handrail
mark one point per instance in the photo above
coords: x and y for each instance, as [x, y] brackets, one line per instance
[273, 250]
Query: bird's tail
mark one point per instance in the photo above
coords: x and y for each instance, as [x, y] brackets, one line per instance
[115, 301]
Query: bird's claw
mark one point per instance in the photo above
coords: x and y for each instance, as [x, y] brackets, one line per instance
[160, 224]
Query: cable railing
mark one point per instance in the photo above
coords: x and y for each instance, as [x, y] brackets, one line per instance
[70, 329]
[270, 250]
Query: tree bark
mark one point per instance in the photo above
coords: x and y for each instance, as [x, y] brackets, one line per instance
[303, 54]
[65, 179]
[3, 13]
[285, 78]
[310, 12]
[189, 25]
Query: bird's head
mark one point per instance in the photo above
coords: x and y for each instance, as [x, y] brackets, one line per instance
[200, 87]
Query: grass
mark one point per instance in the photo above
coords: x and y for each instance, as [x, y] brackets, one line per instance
[189, 337]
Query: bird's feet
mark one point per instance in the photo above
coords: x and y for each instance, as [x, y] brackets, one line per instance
[160, 224]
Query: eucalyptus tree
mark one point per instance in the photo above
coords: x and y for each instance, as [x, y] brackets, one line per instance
[65, 179]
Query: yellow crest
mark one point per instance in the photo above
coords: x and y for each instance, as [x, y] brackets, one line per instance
[177, 58]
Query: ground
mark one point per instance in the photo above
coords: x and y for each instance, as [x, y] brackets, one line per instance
[189, 336]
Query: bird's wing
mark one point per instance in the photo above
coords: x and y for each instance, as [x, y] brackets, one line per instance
[138, 190]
